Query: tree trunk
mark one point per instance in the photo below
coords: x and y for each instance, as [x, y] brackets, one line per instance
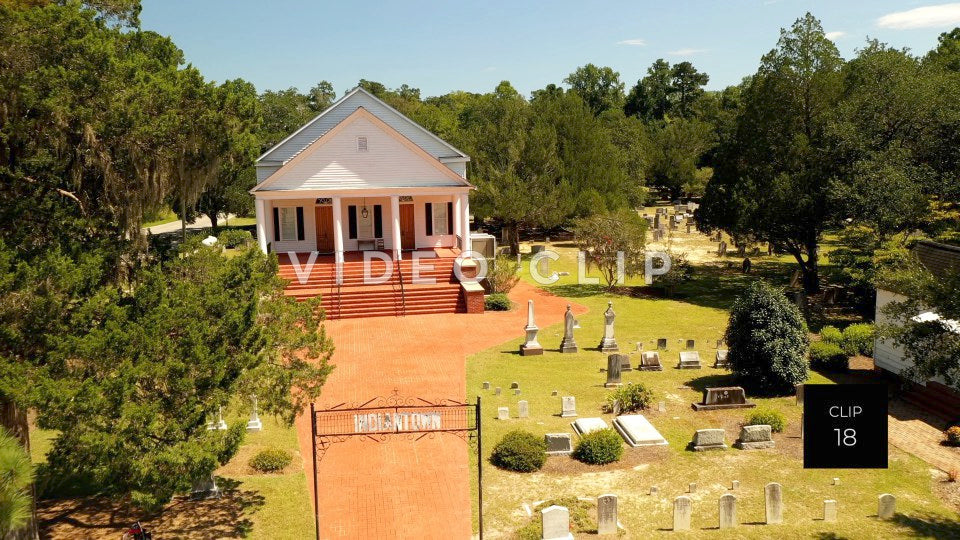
[213, 221]
[811, 270]
[514, 229]
[14, 420]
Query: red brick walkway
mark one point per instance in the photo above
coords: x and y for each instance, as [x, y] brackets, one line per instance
[915, 431]
[403, 488]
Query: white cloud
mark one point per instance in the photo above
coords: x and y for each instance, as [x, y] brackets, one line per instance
[833, 36]
[634, 42]
[685, 52]
[939, 16]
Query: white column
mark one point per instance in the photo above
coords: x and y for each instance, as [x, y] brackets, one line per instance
[261, 206]
[458, 220]
[465, 206]
[337, 232]
[395, 215]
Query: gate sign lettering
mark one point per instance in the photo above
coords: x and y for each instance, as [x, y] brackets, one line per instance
[381, 422]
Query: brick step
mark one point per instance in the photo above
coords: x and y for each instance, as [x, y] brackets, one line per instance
[406, 267]
[393, 310]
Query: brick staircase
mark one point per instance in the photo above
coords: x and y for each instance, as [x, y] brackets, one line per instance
[355, 299]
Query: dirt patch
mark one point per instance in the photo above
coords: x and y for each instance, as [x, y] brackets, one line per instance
[100, 517]
[632, 458]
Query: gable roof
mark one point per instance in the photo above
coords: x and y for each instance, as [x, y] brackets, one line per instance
[357, 98]
[444, 176]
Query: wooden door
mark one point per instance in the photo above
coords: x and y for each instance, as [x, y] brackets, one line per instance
[325, 229]
[407, 233]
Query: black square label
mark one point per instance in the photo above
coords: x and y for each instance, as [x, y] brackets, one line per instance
[845, 426]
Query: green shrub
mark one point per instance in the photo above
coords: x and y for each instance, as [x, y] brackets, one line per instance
[953, 436]
[774, 419]
[831, 334]
[828, 356]
[271, 460]
[858, 339]
[502, 274]
[632, 397]
[767, 341]
[599, 447]
[232, 238]
[520, 451]
[497, 302]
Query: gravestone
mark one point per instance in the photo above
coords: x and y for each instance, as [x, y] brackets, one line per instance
[613, 371]
[830, 511]
[662, 343]
[568, 344]
[558, 444]
[554, 392]
[496, 391]
[656, 221]
[689, 227]
[556, 523]
[650, 361]
[607, 514]
[531, 346]
[719, 343]
[661, 406]
[486, 385]
[887, 506]
[723, 397]
[691, 344]
[799, 388]
[516, 391]
[514, 384]
[206, 489]
[755, 438]
[254, 424]
[722, 249]
[219, 424]
[689, 360]
[523, 409]
[654, 490]
[503, 413]
[692, 487]
[582, 426]
[708, 439]
[608, 343]
[624, 362]
[682, 512]
[728, 511]
[721, 361]
[568, 406]
[636, 430]
[836, 481]
[773, 502]
[735, 484]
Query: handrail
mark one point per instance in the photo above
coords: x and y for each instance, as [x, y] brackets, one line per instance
[338, 282]
[403, 293]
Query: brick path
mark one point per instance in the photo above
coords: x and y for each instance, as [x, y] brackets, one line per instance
[403, 488]
[912, 430]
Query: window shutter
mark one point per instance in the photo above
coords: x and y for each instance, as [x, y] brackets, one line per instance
[449, 218]
[299, 223]
[429, 213]
[276, 224]
[352, 221]
[377, 221]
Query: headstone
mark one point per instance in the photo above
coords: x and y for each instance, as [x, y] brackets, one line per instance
[556, 523]
[692, 487]
[220, 424]
[486, 385]
[608, 343]
[721, 361]
[773, 499]
[607, 514]
[689, 360]
[568, 345]
[613, 371]
[830, 511]
[568, 406]
[558, 444]
[206, 489]
[728, 511]
[661, 406]
[689, 227]
[708, 439]
[887, 506]
[691, 344]
[554, 392]
[503, 413]
[523, 409]
[657, 223]
[582, 426]
[536, 248]
[836, 481]
[254, 424]
[650, 361]
[682, 511]
[662, 343]
[654, 490]
[722, 249]
[799, 388]
[735, 484]
[531, 346]
[636, 430]
[625, 362]
[514, 384]
[496, 391]
[719, 343]
[723, 397]
[755, 438]
[516, 391]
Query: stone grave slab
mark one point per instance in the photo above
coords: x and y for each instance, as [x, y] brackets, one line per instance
[721, 361]
[723, 397]
[558, 444]
[650, 361]
[689, 360]
[568, 406]
[755, 438]
[636, 430]
[582, 426]
[708, 439]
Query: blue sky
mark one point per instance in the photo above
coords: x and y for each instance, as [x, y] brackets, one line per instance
[444, 46]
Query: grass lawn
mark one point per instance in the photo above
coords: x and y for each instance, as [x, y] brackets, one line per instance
[698, 312]
[165, 216]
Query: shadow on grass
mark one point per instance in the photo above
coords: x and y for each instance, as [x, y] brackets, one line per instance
[700, 384]
[101, 516]
[927, 525]
[829, 536]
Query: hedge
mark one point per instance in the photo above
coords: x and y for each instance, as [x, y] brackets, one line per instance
[599, 447]
[520, 451]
